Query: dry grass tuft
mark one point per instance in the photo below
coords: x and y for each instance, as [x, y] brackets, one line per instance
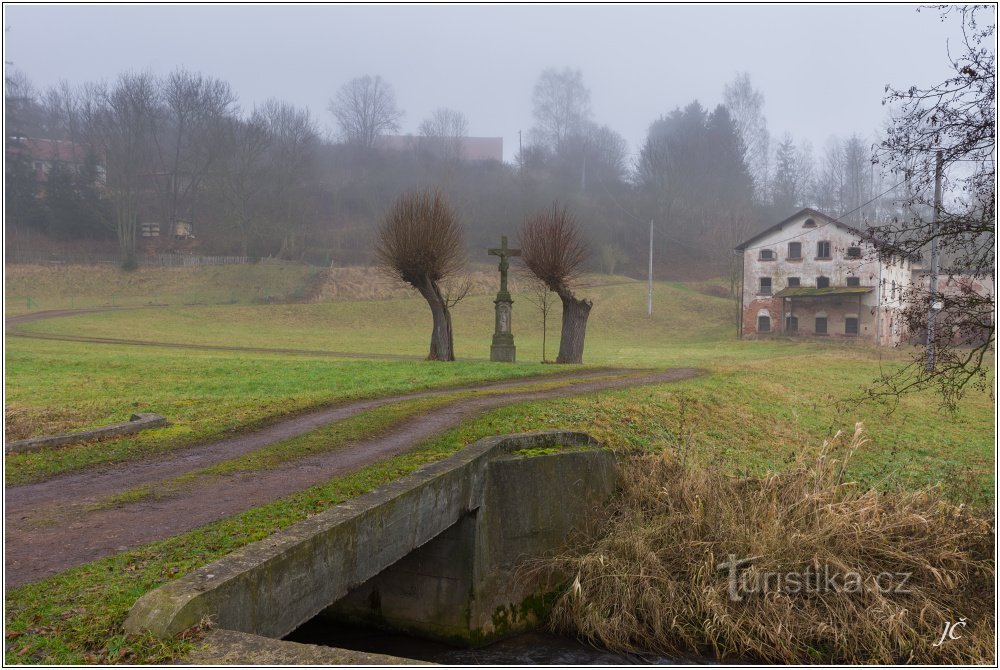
[22, 422]
[657, 580]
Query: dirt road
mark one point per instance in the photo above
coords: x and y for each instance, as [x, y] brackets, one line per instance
[51, 526]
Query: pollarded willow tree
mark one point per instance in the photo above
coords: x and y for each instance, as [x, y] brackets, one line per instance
[421, 243]
[552, 248]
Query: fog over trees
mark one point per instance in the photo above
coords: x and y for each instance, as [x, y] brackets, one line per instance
[265, 180]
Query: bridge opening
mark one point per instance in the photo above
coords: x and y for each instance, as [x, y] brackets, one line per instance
[434, 554]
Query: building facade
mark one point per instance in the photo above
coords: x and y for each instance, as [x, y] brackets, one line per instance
[812, 275]
[41, 156]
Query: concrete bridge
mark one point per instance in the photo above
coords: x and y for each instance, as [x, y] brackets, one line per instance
[434, 553]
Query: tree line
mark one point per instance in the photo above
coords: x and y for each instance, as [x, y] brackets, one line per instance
[265, 182]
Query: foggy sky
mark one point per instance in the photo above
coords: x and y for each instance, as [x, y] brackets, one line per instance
[822, 69]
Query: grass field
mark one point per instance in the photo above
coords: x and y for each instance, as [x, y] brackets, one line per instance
[43, 287]
[796, 390]
[759, 406]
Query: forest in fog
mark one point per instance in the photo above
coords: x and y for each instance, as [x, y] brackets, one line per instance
[267, 181]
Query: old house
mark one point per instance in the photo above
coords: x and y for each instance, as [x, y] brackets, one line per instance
[812, 275]
[42, 156]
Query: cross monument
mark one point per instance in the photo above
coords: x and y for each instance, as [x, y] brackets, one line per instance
[503, 349]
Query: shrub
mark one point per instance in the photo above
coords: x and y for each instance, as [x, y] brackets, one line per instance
[693, 560]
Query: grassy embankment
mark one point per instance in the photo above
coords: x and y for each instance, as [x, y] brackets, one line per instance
[761, 404]
[30, 288]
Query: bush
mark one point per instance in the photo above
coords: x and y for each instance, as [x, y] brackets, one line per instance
[695, 561]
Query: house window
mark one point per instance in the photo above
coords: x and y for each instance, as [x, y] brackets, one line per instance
[822, 282]
[821, 325]
[854, 252]
[763, 324]
[809, 224]
[765, 286]
[794, 251]
[766, 255]
[854, 281]
[794, 282]
[791, 324]
[823, 250]
[892, 291]
[851, 325]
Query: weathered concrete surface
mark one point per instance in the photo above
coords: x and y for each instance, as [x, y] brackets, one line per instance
[534, 505]
[228, 647]
[463, 587]
[136, 423]
[273, 586]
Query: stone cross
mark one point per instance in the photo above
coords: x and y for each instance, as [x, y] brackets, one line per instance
[503, 349]
[503, 252]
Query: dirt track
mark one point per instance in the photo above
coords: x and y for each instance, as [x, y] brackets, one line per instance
[50, 529]
[13, 331]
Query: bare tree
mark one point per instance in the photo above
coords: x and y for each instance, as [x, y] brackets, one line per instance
[22, 113]
[552, 248]
[441, 134]
[293, 138]
[541, 297]
[121, 122]
[62, 112]
[561, 106]
[746, 107]
[948, 131]
[830, 184]
[420, 242]
[365, 108]
[241, 181]
[196, 108]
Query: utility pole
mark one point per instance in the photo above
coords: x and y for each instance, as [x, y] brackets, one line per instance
[520, 152]
[650, 275]
[934, 305]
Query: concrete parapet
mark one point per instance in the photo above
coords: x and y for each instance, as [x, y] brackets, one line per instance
[458, 527]
[136, 423]
[229, 647]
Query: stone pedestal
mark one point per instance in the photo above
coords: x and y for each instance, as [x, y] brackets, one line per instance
[503, 350]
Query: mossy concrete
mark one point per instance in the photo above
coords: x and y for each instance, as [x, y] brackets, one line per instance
[519, 506]
[469, 585]
[227, 647]
[136, 423]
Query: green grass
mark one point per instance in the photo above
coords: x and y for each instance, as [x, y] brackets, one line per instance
[761, 404]
[739, 419]
[77, 286]
[204, 395]
[329, 438]
[618, 331]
